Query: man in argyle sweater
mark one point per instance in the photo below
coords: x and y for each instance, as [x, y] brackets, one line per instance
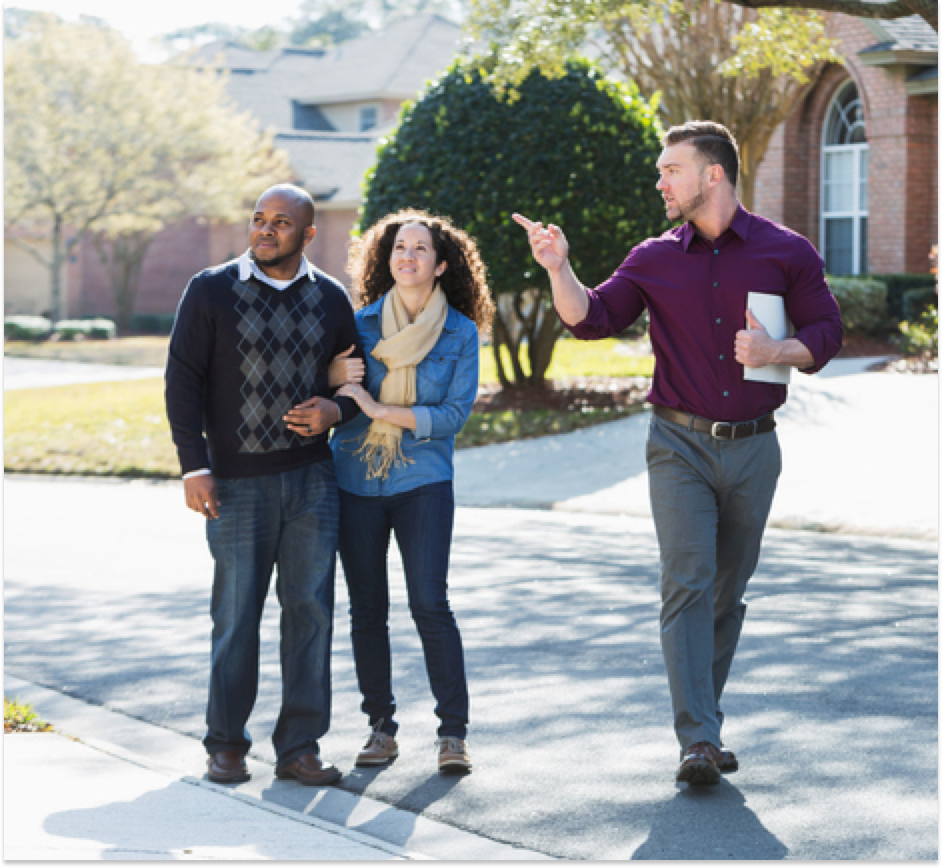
[252, 341]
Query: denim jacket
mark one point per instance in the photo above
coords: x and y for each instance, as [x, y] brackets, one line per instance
[446, 386]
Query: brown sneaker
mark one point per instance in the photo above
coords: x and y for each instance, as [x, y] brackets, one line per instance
[227, 767]
[380, 748]
[309, 769]
[453, 756]
[700, 765]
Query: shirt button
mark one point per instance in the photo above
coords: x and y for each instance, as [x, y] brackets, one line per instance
[725, 394]
[716, 283]
[716, 251]
[722, 358]
[718, 320]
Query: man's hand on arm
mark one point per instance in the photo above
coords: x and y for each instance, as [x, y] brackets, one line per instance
[551, 250]
[313, 416]
[755, 349]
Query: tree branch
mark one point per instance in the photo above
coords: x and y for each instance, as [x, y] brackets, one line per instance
[927, 9]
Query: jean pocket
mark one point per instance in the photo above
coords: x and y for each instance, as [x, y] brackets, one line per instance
[437, 369]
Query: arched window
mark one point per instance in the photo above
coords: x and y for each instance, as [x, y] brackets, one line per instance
[844, 184]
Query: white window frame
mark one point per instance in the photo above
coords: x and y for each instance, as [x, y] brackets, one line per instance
[859, 210]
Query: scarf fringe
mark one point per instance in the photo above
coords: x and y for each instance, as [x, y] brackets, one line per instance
[381, 451]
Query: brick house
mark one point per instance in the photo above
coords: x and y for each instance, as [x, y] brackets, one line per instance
[328, 110]
[855, 168]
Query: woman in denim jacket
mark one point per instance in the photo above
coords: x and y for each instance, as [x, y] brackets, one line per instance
[424, 296]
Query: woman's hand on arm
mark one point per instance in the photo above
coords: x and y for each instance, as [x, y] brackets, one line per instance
[402, 417]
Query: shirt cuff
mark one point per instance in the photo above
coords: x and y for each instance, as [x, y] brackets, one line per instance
[203, 472]
[423, 422]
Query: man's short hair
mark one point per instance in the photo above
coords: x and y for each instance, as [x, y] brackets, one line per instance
[713, 142]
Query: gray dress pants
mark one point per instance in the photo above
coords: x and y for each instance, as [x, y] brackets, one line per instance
[710, 500]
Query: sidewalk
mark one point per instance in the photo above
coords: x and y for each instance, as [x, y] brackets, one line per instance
[106, 786]
[40, 373]
[860, 454]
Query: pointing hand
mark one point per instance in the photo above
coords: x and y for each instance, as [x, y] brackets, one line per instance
[548, 244]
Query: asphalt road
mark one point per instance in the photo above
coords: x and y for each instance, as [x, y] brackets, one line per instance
[832, 704]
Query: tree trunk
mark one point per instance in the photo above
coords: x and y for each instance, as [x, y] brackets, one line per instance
[525, 322]
[123, 256]
[56, 308]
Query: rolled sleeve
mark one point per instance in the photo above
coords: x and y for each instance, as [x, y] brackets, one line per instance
[814, 312]
[423, 423]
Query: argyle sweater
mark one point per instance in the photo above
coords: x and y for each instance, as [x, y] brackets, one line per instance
[242, 354]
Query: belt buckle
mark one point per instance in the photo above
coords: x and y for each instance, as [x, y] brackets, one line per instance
[714, 431]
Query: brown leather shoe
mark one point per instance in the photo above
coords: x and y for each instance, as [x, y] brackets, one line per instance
[700, 765]
[227, 767]
[728, 762]
[309, 769]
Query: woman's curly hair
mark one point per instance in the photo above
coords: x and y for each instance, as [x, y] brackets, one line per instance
[464, 281]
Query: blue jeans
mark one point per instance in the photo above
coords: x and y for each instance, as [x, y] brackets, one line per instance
[422, 520]
[289, 521]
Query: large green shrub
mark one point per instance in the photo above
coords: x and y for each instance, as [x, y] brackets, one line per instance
[916, 302]
[579, 151]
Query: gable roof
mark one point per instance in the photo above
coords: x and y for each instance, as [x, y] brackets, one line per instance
[282, 89]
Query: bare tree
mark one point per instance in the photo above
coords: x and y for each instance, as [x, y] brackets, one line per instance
[687, 57]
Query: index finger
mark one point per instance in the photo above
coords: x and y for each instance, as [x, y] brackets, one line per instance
[525, 222]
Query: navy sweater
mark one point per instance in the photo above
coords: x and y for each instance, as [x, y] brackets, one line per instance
[242, 354]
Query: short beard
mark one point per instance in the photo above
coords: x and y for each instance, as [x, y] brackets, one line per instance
[689, 209]
[284, 257]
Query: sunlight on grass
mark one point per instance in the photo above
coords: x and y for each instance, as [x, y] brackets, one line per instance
[572, 358]
[120, 428]
[112, 429]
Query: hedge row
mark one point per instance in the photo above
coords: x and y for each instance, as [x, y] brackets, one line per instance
[37, 328]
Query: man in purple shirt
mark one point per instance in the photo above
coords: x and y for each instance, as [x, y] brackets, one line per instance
[713, 455]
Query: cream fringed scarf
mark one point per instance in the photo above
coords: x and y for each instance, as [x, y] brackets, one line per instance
[403, 346]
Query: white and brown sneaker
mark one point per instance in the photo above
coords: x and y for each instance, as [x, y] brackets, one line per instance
[380, 748]
[453, 756]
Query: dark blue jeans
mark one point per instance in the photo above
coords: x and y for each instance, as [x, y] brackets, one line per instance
[286, 521]
[422, 520]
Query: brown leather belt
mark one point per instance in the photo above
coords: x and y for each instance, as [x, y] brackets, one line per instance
[719, 430]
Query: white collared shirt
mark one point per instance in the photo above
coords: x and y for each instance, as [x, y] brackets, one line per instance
[249, 267]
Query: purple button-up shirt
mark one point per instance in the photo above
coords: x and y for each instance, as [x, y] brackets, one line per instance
[695, 293]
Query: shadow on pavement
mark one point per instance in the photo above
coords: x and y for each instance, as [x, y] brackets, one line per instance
[688, 823]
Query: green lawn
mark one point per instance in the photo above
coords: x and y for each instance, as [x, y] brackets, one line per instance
[120, 429]
[572, 358]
